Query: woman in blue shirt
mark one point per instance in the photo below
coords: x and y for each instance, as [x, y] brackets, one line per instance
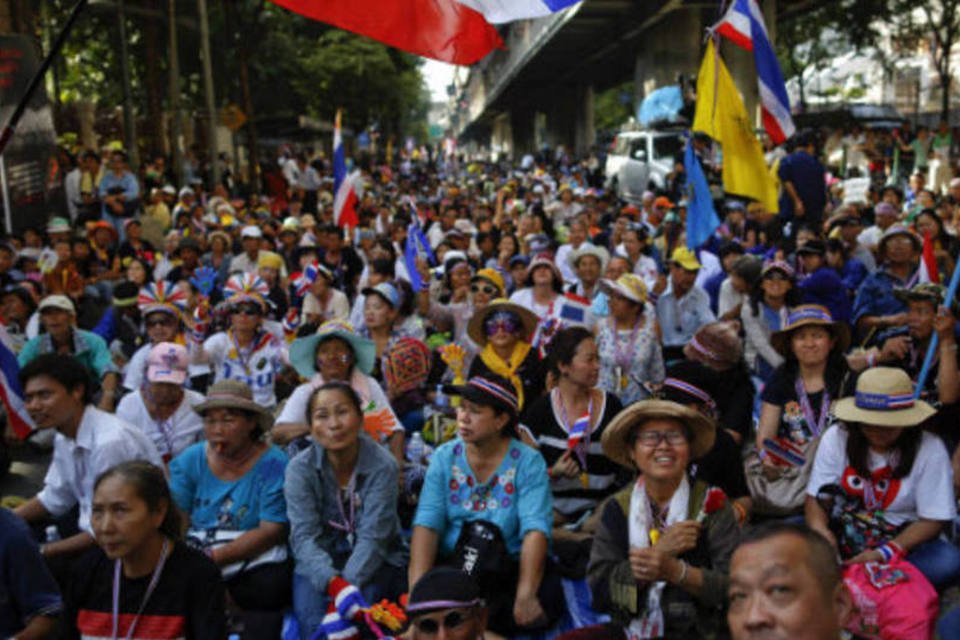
[231, 488]
[342, 501]
[487, 493]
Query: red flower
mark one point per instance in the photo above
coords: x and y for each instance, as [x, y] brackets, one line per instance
[712, 502]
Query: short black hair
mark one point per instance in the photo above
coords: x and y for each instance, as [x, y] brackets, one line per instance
[66, 370]
[821, 556]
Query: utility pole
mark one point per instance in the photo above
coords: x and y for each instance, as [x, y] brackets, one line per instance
[176, 126]
[129, 124]
[208, 90]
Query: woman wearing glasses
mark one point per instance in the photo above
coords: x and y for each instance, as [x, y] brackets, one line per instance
[246, 351]
[661, 552]
[486, 285]
[502, 330]
[341, 495]
[231, 489]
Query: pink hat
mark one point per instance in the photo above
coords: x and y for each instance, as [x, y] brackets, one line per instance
[167, 362]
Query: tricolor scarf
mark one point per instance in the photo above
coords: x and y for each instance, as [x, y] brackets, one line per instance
[650, 623]
[507, 369]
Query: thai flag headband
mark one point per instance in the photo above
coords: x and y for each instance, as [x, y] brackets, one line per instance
[493, 389]
[692, 390]
[883, 401]
[703, 350]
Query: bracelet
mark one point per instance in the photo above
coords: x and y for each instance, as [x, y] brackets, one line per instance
[890, 550]
[683, 572]
[948, 346]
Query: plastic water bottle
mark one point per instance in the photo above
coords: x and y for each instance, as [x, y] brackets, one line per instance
[441, 402]
[51, 533]
[416, 448]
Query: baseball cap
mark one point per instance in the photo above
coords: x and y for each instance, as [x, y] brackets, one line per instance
[167, 362]
[685, 259]
[251, 231]
[57, 301]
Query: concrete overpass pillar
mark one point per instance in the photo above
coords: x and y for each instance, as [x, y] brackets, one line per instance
[672, 46]
[585, 134]
[501, 137]
[523, 126]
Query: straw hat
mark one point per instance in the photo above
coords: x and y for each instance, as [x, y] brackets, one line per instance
[234, 394]
[810, 315]
[884, 398]
[616, 437]
[492, 276]
[528, 319]
[587, 249]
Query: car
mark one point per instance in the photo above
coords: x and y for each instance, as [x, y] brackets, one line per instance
[641, 161]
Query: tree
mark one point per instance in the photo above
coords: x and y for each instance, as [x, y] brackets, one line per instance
[936, 22]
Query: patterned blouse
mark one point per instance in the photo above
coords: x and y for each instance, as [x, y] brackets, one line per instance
[623, 369]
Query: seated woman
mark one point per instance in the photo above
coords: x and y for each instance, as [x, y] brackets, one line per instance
[162, 408]
[661, 552]
[335, 353]
[486, 508]
[141, 574]
[630, 353]
[566, 426]
[341, 494]
[502, 330]
[765, 313]
[882, 487]
[386, 319]
[231, 488]
[795, 408]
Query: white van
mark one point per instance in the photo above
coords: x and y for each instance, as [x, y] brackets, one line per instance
[641, 160]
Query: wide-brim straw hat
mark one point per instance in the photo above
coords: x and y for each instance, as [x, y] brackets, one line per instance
[884, 398]
[303, 351]
[528, 319]
[807, 315]
[234, 394]
[616, 437]
[629, 285]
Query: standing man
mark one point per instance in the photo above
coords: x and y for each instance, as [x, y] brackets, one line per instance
[119, 192]
[57, 394]
[683, 307]
[785, 583]
[804, 193]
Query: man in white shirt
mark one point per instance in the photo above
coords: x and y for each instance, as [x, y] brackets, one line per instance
[57, 395]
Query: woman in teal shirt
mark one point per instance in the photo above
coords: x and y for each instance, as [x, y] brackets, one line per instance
[481, 484]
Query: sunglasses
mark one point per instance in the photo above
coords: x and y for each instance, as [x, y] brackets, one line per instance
[431, 626]
[159, 323]
[487, 289]
[246, 311]
[506, 322]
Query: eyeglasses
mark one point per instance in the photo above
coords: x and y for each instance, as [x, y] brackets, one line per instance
[431, 626]
[333, 357]
[501, 321]
[653, 439]
[487, 289]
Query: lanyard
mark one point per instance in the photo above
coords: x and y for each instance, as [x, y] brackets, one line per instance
[348, 523]
[165, 427]
[245, 360]
[815, 425]
[154, 579]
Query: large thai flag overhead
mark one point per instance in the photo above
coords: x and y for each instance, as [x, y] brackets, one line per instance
[743, 25]
[345, 196]
[454, 31]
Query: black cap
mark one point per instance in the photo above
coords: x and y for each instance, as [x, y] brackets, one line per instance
[815, 246]
[443, 588]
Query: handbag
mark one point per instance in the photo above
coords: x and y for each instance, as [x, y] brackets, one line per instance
[890, 601]
[208, 539]
[782, 495]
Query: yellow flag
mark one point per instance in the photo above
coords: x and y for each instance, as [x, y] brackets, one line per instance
[721, 115]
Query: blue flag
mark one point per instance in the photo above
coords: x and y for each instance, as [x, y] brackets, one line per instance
[416, 247]
[702, 218]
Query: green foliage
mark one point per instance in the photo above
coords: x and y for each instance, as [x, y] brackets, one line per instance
[611, 109]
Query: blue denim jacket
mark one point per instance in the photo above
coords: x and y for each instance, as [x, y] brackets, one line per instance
[318, 517]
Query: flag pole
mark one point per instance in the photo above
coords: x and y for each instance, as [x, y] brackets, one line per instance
[935, 339]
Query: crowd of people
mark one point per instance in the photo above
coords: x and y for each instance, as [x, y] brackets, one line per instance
[499, 383]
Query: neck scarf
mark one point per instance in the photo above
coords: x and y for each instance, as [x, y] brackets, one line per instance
[507, 369]
[650, 624]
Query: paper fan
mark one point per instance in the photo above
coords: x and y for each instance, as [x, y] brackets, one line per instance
[162, 296]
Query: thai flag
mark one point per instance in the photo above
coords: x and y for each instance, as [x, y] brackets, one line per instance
[344, 185]
[928, 262]
[11, 393]
[454, 31]
[416, 247]
[743, 25]
[578, 431]
[306, 279]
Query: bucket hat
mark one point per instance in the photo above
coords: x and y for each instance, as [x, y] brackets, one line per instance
[629, 285]
[303, 351]
[807, 315]
[234, 394]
